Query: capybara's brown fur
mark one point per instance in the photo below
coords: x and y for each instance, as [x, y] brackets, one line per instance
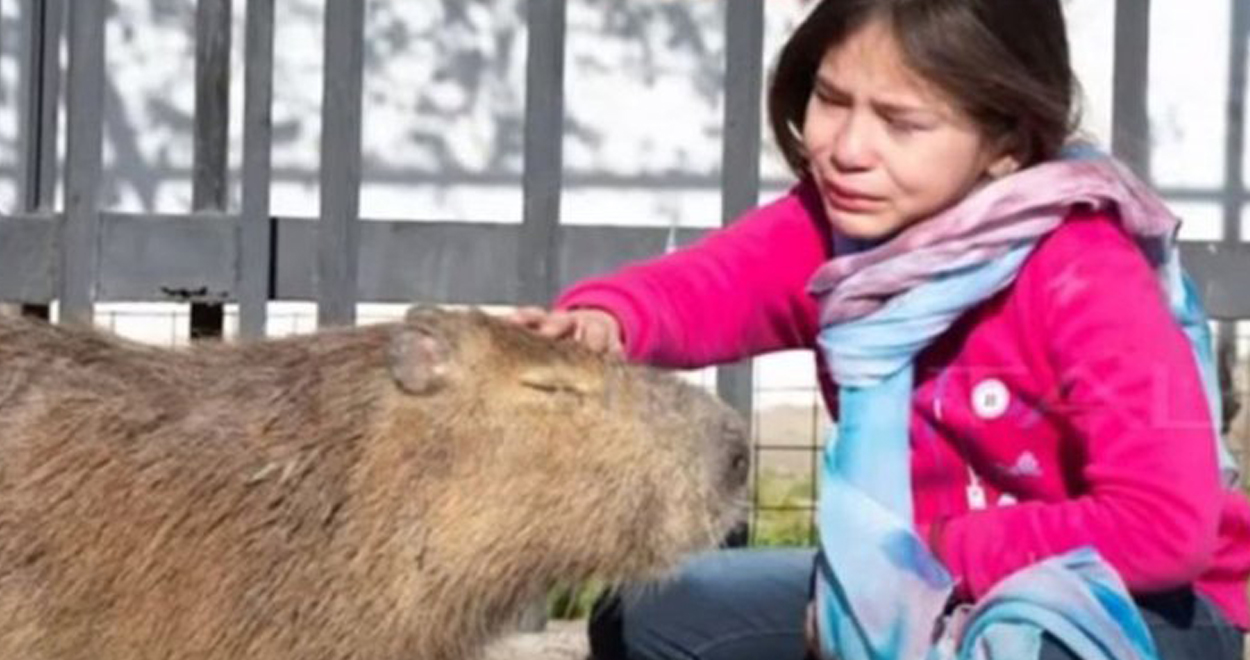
[389, 492]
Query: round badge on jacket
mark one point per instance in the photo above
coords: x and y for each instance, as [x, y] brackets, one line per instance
[990, 399]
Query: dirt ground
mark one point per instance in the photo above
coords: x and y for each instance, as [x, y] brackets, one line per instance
[562, 640]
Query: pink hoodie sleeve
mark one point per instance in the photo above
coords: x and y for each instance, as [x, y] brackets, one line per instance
[737, 292]
[1149, 496]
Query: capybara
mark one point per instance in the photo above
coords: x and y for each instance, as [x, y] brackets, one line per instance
[388, 492]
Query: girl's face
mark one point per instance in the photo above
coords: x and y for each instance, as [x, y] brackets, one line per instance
[886, 148]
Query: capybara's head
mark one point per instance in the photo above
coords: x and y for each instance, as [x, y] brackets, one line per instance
[547, 459]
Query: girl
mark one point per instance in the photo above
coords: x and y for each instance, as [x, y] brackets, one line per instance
[1065, 410]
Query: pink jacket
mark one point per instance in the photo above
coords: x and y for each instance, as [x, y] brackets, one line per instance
[1065, 411]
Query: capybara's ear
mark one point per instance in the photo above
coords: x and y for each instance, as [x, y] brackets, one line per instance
[424, 315]
[420, 357]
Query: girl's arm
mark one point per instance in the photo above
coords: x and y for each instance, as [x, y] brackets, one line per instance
[739, 291]
[1131, 397]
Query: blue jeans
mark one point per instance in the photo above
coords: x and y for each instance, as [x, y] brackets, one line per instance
[749, 605]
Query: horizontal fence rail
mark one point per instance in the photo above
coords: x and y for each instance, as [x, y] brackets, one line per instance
[147, 258]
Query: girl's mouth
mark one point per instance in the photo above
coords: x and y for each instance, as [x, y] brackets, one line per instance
[845, 199]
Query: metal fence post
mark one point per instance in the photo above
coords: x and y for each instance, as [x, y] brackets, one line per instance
[40, 71]
[1234, 189]
[1130, 128]
[78, 264]
[210, 173]
[538, 256]
[339, 228]
[740, 163]
[538, 259]
[255, 231]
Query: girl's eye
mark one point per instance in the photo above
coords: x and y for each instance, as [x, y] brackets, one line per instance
[827, 98]
[903, 127]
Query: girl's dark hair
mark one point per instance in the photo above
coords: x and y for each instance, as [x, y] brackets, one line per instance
[1004, 62]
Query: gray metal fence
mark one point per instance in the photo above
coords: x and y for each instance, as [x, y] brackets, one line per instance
[80, 254]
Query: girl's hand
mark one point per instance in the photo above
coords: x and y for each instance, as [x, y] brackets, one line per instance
[809, 631]
[593, 328]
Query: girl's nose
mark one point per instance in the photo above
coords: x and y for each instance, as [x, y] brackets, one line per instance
[852, 145]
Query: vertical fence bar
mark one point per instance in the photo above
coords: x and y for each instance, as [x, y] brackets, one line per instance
[1234, 187]
[339, 230]
[1235, 136]
[209, 183]
[740, 163]
[538, 257]
[41, 82]
[40, 73]
[212, 104]
[254, 231]
[79, 238]
[1130, 117]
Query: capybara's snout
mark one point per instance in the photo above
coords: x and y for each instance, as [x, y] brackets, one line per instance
[721, 437]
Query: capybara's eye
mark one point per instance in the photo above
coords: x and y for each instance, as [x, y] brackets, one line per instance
[739, 467]
[553, 381]
[554, 389]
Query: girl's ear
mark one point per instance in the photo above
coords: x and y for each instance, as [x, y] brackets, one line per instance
[1002, 166]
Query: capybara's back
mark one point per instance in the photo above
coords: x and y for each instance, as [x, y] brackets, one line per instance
[387, 492]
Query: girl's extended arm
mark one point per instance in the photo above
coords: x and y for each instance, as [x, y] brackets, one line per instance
[738, 292]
